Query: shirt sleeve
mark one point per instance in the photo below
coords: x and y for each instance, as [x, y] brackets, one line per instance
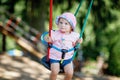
[76, 36]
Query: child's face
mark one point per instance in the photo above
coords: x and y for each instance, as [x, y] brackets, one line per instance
[64, 26]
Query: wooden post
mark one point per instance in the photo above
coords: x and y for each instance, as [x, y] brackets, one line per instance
[3, 40]
[3, 43]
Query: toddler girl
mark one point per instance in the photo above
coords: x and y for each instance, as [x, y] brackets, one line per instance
[64, 38]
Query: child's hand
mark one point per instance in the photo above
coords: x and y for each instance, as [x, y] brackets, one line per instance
[48, 39]
[80, 40]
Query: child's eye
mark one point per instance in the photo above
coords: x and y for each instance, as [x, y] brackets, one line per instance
[61, 22]
[66, 23]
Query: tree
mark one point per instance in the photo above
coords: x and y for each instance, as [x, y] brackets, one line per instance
[36, 13]
[106, 29]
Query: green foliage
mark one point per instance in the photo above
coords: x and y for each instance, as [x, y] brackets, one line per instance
[114, 63]
[102, 32]
[19, 7]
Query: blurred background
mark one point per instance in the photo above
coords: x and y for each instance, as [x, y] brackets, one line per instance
[26, 20]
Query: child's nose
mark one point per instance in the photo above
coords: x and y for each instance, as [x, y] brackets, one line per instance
[63, 25]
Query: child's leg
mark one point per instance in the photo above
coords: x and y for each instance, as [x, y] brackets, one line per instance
[68, 71]
[54, 71]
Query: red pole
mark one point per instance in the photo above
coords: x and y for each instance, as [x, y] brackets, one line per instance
[50, 20]
[50, 27]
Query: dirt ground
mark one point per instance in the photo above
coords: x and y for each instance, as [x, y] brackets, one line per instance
[23, 68]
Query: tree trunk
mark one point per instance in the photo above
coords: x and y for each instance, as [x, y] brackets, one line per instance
[36, 14]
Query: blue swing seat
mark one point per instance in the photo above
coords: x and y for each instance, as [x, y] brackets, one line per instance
[46, 64]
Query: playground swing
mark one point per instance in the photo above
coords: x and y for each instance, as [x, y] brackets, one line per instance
[45, 59]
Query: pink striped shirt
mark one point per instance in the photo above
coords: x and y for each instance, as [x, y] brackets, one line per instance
[63, 41]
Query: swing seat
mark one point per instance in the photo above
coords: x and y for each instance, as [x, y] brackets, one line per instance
[44, 59]
[46, 64]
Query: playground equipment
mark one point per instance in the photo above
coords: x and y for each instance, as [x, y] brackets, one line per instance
[45, 59]
[12, 29]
